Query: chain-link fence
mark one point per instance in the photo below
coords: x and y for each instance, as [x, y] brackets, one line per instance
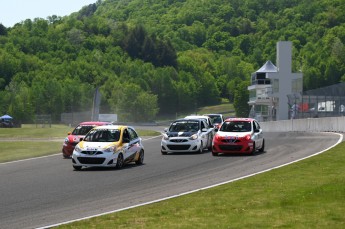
[322, 102]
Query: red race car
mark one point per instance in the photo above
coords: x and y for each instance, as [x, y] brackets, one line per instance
[79, 132]
[238, 135]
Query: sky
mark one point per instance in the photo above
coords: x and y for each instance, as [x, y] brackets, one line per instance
[16, 11]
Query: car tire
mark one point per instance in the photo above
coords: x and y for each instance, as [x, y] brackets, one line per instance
[163, 153]
[254, 149]
[120, 161]
[214, 154]
[210, 143]
[76, 167]
[140, 160]
[262, 149]
[201, 149]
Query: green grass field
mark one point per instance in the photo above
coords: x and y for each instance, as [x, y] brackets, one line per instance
[307, 194]
[225, 108]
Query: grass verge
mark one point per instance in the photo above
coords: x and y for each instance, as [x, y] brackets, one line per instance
[55, 131]
[31, 131]
[307, 194]
[225, 108]
[29, 141]
[18, 150]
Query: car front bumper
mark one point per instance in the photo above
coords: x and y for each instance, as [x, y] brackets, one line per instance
[227, 148]
[98, 160]
[180, 144]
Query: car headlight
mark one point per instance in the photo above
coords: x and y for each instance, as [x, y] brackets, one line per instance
[78, 149]
[165, 137]
[217, 138]
[193, 137]
[247, 137]
[66, 140]
[110, 149]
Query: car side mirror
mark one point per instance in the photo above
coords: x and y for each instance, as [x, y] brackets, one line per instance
[165, 130]
[257, 130]
[81, 139]
[125, 140]
[216, 130]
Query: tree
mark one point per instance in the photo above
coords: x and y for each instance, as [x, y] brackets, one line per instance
[131, 103]
[3, 30]
[241, 100]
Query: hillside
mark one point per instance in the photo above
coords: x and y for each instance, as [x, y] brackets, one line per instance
[162, 56]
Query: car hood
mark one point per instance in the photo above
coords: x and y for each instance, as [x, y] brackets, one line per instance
[233, 134]
[180, 134]
[96, 145]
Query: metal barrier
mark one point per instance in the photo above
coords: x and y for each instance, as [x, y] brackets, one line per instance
[329, 124]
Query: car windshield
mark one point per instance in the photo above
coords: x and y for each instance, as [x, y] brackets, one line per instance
[184, 126]
[216, 119]
[236, 126]
[82, 130]
[103, 135]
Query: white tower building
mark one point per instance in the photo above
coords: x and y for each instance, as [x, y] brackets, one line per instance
[270, 86]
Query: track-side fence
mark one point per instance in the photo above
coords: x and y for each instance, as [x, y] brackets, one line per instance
[329, 124]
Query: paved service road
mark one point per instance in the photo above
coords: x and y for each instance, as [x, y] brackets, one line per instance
[45, 191]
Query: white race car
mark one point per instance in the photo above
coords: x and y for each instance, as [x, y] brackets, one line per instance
[187, 135]
[108, 146]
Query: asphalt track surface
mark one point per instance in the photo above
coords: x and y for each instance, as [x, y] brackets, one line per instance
[45, 191]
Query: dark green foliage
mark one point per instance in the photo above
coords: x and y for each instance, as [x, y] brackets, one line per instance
[240, 100]
[166, 56]
[149, 48]
[3, 30]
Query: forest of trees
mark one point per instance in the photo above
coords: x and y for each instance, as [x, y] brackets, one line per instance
[159, 57]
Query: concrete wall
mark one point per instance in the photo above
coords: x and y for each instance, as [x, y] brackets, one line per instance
[329, 124]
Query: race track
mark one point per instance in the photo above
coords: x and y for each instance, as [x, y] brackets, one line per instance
[46, 191]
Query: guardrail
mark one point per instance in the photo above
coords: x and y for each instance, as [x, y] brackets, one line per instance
[329, 124]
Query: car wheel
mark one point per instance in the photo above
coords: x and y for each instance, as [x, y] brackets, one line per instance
[201, 149]
[214, 154]
[210, 143]
[140, 160]
[119, 162]
[163, 153]
[254, 149]
[76, 167]
[262, 149]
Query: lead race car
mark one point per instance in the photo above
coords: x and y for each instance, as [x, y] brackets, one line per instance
[238, 135]
[108, 146]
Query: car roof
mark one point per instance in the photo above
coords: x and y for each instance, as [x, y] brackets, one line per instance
[112, 127]
[94, 123]
[197, 116]
[187, 119]
[213, 114]
[239, 119]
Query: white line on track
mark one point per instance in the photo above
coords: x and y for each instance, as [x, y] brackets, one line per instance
[196, 190]
[52, 155]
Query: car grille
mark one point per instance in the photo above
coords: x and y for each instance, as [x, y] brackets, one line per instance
[91, 160]
[179, 140]
[178, 147]
[230, 147]
[230, 140]
[91, 152]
